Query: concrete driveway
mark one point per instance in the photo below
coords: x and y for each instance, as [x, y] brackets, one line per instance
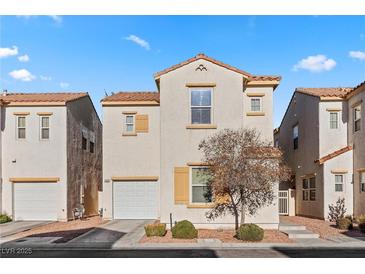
[116, 234]
[11, 228]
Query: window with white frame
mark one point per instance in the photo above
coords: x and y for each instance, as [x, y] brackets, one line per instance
[362, 181]
[21, 127]
[44, 127]
[256, 104]
[309, 189]
[334, 120]
[357, 117]
[296, 137]
[201, 105]
[339, 180]
[200, 191]
[129, 126]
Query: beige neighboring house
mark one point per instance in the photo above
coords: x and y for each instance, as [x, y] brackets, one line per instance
[150, 140]
[51, 155]
[324, 151]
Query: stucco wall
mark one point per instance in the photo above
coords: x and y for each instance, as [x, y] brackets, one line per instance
[128, 155]
[179, 145]
[84, 168]
[357, 140]
[1, 158]
[33, 157]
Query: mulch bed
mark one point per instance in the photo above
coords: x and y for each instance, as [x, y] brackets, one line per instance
[226, 236]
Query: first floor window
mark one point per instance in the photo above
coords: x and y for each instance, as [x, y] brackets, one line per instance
[92, 146]
[357, 118]
[129, 123]
[339, 179]
[44, 127]
[21, 127]
[333, 120]
[201, 105]
[200, 177]
[309, 189]
[362, 181]
[256, 104]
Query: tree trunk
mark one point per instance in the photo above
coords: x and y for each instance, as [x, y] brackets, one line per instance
[243, 213]
[236, 224]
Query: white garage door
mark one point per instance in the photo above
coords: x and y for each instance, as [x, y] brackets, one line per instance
[135, 200]
[35, 201]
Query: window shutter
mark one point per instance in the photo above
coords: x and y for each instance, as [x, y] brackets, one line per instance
[141, 123]
[181, 185]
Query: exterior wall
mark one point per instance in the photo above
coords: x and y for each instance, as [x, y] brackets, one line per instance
[341, 162]
[357, 140]
[84, 169]
[179, 145]
[33, 157]
[128, 155]
[1, 157]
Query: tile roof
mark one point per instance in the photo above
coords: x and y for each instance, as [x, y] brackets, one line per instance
[325, 92]
[265, 78]
[333, 155]
[42, 97]
[356, 89]
[126, 96]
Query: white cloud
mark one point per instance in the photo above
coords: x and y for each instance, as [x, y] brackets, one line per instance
[45, 78]
[22, 75]
[6, 52]
[357, 55]
[64, 85]
[139, 41]
[24, 58]
[316, 63]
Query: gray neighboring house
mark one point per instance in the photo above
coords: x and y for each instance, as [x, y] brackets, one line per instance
[150, 140]
[51, 151]
[319, 144]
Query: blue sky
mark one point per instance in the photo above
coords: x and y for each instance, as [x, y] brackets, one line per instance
[113, 53]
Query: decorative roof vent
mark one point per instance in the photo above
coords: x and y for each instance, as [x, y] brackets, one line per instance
[201, 67]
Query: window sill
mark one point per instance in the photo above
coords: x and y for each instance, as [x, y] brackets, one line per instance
[253, 113]
[208, 205]
[129, 134]
[201, 126]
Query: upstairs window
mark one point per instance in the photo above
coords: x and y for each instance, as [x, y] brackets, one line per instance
[92, 146]
[296, 137]
[339, 179]
[362, 181]
[256, 104]
[333, 120]
[84, 142]
[21, 129]
[129, 124]
[200, 192]
[44, 127]
[201, 106]
[357, 118]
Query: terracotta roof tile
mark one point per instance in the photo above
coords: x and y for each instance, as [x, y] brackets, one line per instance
[42, 97]
[333, 154]
[356, 89]
[265, 78]
[325, 92]
[133, 96]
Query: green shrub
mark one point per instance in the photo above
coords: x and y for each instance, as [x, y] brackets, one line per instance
[184, 230]
[250, 232]
[155, 230]
[344, 223]
[4, 218]
[361, 223]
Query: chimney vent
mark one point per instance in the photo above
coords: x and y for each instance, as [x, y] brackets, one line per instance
[5, 92]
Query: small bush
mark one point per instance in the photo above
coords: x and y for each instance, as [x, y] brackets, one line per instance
[4, 218]
[361, 223]
[184, 230]
[155, 230]
[250, 232]
[344, 223]
[337, 211]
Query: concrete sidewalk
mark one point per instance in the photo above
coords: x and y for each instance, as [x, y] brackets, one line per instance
[11, 228]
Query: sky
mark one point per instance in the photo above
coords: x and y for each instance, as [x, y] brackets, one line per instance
[121, 53]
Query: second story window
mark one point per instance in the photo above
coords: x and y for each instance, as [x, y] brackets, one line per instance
[296, 137]
[357, 118]
[201, 106]
[21, 127]
[339, 179]
[84, 142]
[92, 147]
[362, 181]
[256, 104]
[129, 124]
[44, 127]
[334, 120]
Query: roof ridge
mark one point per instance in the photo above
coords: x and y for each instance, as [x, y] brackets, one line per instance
[333, 154]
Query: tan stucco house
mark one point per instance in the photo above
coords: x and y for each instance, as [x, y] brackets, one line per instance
[50, 155]
[150, 140]
[321, 146]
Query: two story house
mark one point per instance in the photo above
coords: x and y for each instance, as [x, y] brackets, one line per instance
[50, 155]
[150, 140]
[320, 142]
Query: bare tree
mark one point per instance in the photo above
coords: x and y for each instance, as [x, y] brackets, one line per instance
[244, 170]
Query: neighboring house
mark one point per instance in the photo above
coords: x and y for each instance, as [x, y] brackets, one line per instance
[150, 140]
[51, 155]
[356, 133]
[320, 144]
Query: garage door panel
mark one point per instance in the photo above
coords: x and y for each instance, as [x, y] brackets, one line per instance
[35, 201]
[135, 200]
